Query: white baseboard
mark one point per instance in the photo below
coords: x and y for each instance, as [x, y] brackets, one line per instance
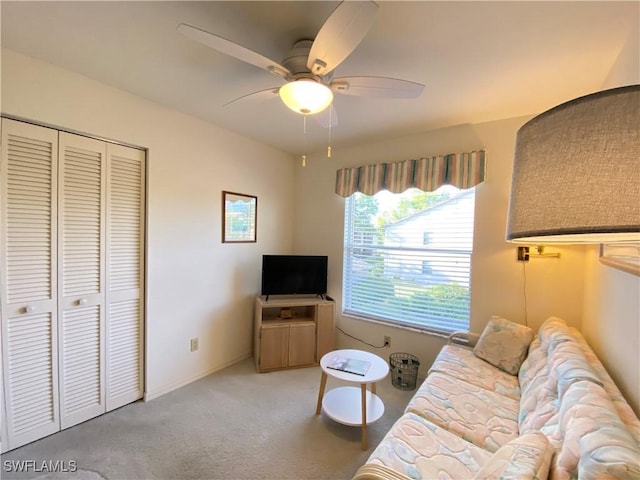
[158, 392]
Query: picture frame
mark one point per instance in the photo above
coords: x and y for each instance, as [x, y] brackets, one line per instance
[623, 256]
[239, 217]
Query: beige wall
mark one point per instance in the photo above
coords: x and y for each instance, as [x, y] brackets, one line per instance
[611, 322]
[197, 287]
[554, 286]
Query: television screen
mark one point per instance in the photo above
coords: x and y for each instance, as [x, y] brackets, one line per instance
[294, 275]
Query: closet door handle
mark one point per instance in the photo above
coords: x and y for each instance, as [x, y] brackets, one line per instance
[29, 309]
[83, 301]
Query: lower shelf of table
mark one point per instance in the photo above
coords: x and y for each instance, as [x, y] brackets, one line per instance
[344, 405]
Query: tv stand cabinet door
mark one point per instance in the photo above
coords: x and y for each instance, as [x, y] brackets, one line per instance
[274, 347]
[302, 344]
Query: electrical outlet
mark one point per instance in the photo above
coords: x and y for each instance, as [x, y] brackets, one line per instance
[195, 344]
[387, 341]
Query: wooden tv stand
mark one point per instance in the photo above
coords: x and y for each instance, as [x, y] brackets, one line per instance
[292, 332]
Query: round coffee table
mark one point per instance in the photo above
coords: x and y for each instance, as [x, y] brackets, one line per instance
[352, 405]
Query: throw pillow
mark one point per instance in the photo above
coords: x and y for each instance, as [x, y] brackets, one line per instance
[504, 344]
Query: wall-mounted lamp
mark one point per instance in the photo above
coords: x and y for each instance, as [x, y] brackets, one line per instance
[576, 176]
[525, 253]
[306, 96]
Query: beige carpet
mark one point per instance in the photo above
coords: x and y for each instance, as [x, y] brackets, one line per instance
[234, 424]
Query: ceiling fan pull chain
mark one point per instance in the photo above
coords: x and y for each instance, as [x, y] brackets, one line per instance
[330, 122]
[304, 144]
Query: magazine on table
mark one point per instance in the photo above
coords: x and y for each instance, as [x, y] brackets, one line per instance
[349, 365]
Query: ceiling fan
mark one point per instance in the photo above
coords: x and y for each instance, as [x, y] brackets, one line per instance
[308, 68]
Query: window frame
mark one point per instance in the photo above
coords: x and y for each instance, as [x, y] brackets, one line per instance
[438, 326]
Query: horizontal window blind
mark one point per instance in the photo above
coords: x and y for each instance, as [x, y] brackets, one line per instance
[407, 257]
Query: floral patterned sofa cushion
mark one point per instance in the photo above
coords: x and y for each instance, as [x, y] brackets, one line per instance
[421, 450]
[624, 410]
[561, 349]
[417, 449]
[480, 416]
[565, 366]
[504, 344]
[554, 363]
[568, 365]
[554, 330]
[532, 378]
[592, 442]
[534, 370]
[460, 362]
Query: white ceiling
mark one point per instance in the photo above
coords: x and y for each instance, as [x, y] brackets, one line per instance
[479, 60]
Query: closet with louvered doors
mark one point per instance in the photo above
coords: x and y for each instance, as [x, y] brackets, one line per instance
[29, 291]
[72, 295]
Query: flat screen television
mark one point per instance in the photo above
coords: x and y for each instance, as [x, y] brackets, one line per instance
[294, 275]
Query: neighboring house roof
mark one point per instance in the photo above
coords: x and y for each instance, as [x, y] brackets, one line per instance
[431, 209]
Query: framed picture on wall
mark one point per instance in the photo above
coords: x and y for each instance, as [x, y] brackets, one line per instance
[239, 218]
[622, 256]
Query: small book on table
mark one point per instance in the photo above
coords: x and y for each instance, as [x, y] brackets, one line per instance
[349, 365]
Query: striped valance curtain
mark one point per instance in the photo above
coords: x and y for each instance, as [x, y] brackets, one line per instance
[462, 170]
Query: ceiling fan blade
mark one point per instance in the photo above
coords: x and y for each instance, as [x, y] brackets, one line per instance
[328, 117]
[232, 49]
[380, 87]
[259, 95]
[340, 35]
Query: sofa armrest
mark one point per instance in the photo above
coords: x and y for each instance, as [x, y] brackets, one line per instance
[466, 339]
[378, 472]
[525, 457]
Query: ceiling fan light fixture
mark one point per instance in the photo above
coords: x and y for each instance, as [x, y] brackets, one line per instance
[306, 96]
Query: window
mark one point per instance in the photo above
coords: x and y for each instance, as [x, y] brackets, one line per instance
[394, 271]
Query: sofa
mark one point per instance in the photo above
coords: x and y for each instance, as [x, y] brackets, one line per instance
[508, 404]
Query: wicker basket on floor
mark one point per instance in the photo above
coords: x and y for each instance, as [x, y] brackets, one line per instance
[404, 370]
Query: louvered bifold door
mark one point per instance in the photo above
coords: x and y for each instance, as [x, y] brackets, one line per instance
[125, 274]
[28, 296]
[81, 274]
